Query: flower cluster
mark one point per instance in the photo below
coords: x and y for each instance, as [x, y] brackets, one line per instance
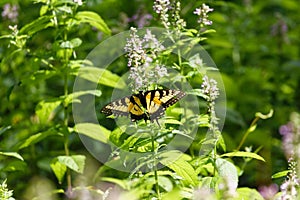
[210, 89]
[152, 44]
[291, 136]
[134, 49]
[161, 7]
[177, 22]
[10, 12]
[141, 53]
[290, 186]
[202, 12]
[169, 13]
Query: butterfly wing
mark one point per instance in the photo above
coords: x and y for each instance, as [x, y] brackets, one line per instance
[158, 100]
[136, 108]
[118, 108]
[124, 107]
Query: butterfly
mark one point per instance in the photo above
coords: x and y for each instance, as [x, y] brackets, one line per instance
[148, 105]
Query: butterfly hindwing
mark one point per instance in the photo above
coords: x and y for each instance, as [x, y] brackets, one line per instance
[149, 105]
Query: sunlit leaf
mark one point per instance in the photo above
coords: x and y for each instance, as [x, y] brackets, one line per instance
[180, 166]
[119, 182]
[102, 76]
[281, 174]
[94, 131]
[93, 19]
[76, 162]
[243, 154]
[45, 109]
[247, 194]
[39, 24]
[228, 171]
[165, 183]
[59, 169]
[12, 154]
[72, 97]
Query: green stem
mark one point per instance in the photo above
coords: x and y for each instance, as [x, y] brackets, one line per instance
[155, 168]
[66, 115]
[66, 138]
[247, 133]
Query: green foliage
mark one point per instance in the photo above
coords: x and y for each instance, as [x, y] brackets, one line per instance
[41, 56]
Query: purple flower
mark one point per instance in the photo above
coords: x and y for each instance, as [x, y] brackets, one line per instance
[268, 192]
[287, 139]
[291, 136]
[141, 20]
[10, 12]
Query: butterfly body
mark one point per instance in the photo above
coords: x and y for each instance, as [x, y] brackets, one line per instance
[148, 105]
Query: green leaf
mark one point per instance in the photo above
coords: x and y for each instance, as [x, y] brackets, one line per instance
[76, 162]
[165, 183]
[93, 19]
[59, 169]
[80, 161]
[247, 194]
[45, 109]
[262, 116]
[243, 154]
[209, 182]
[73, 97]
[76, 42]
[228, 171]
[94, 131]
[39, 75]
[12, 154]
[14, 166]
[37, 25]
[38, 137]
[44, 10]
[172, 121]
[2, 130]
[281, 174]
[178, 163]
[102, 76]
[123, 184]
[115, 136]
[197, 92]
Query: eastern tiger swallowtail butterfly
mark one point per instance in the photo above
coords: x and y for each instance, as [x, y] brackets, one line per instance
[148, 105]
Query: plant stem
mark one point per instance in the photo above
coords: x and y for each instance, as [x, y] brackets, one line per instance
[247, 133]
[66, 138]
[155, 168]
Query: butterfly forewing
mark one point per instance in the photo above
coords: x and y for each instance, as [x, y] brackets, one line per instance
[118, 108]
